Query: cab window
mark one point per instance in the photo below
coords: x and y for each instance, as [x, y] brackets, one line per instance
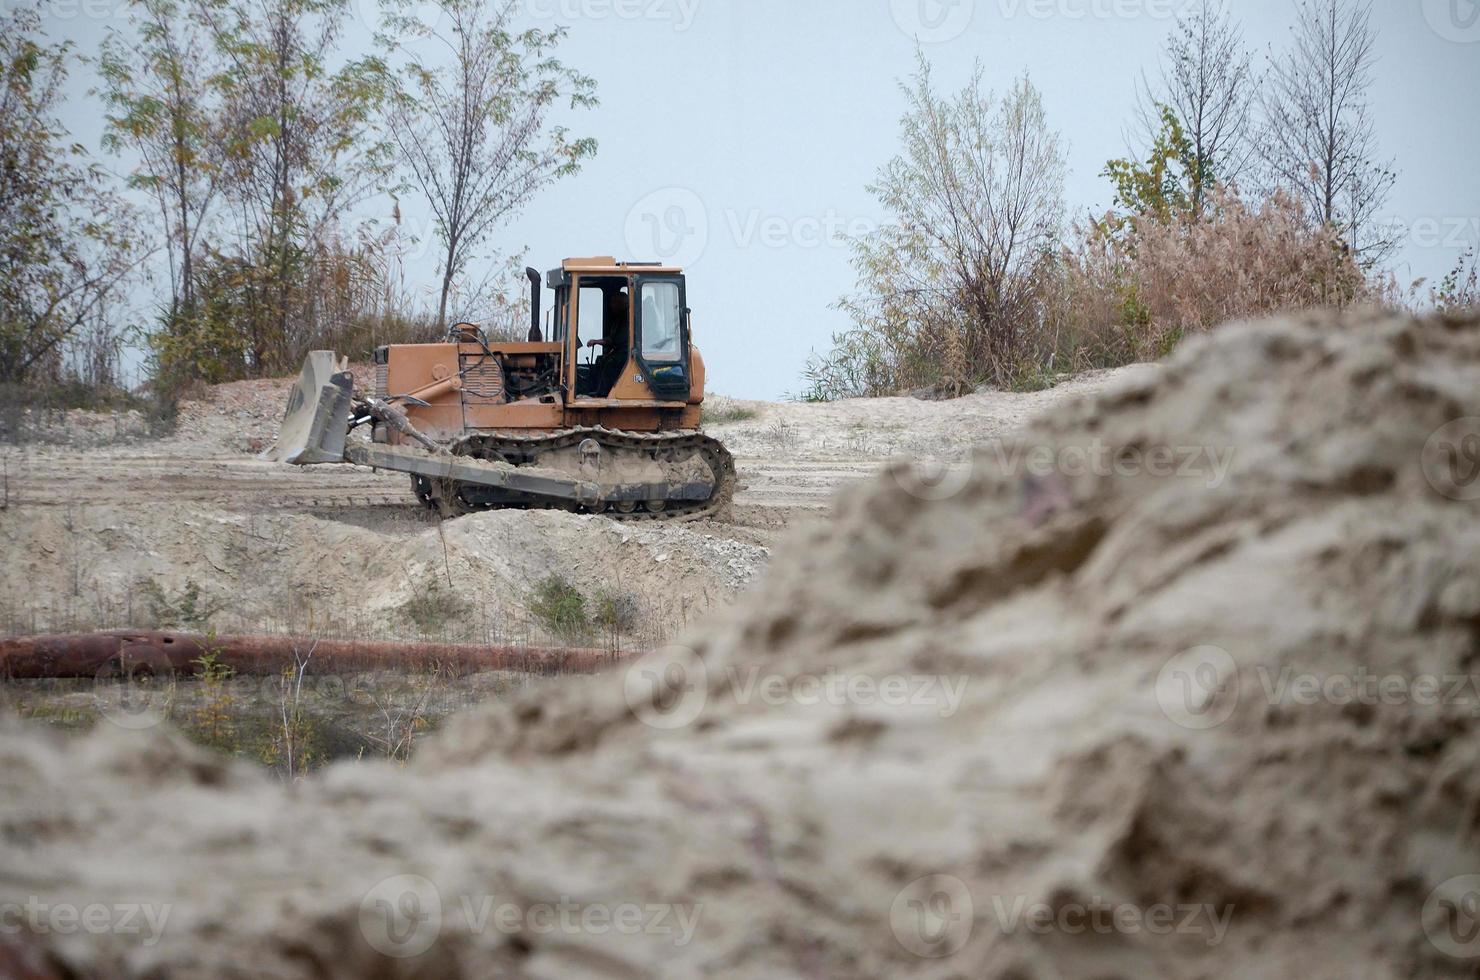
[662, 319]
[591, 313]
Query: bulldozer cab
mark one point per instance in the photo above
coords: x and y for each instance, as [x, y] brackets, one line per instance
[625, 331]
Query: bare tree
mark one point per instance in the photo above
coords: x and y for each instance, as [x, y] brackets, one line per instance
[948, 288]
[68, 245]
[1207, 80]
[470, 122]
[1318, 140]
[160, 106]
[299, 148]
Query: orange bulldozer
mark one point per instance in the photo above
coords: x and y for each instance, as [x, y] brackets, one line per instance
[598, 411]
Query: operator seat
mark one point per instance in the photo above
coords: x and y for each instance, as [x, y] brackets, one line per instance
[615, 330]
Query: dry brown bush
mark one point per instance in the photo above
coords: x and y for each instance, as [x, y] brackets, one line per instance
[1124, 290]
[1118, 300]
[1243, 261]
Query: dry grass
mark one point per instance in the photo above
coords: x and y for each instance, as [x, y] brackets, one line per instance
[719, 410]
[291, 723]
[1169, 279]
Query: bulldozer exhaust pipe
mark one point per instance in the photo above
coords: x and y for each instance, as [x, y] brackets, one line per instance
[534, 304]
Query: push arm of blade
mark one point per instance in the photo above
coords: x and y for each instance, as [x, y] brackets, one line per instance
[395, 418]
[547, 484]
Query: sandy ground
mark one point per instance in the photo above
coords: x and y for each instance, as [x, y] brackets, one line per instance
[1104, 720]
[101, 511]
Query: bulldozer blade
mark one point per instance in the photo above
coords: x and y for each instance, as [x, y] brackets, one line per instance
[317, 419]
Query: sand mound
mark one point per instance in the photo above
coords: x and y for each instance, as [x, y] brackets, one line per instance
[471, 579]
[1178, 683]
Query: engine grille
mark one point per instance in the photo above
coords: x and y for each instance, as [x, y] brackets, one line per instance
[382, 380]
[483, 380]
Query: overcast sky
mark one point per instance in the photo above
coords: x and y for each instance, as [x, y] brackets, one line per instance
[737, 138]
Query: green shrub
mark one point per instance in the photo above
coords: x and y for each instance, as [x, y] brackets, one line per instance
[724, 411]
[433, 606]
[560, 608]
[186, 609]
[616, 612]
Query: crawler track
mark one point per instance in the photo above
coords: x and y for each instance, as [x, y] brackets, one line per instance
[523, 449]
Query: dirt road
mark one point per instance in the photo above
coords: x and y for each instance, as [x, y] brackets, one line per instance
[49, 478]
[791, 457]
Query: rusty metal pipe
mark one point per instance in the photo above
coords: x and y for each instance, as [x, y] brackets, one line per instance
[151, 651]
